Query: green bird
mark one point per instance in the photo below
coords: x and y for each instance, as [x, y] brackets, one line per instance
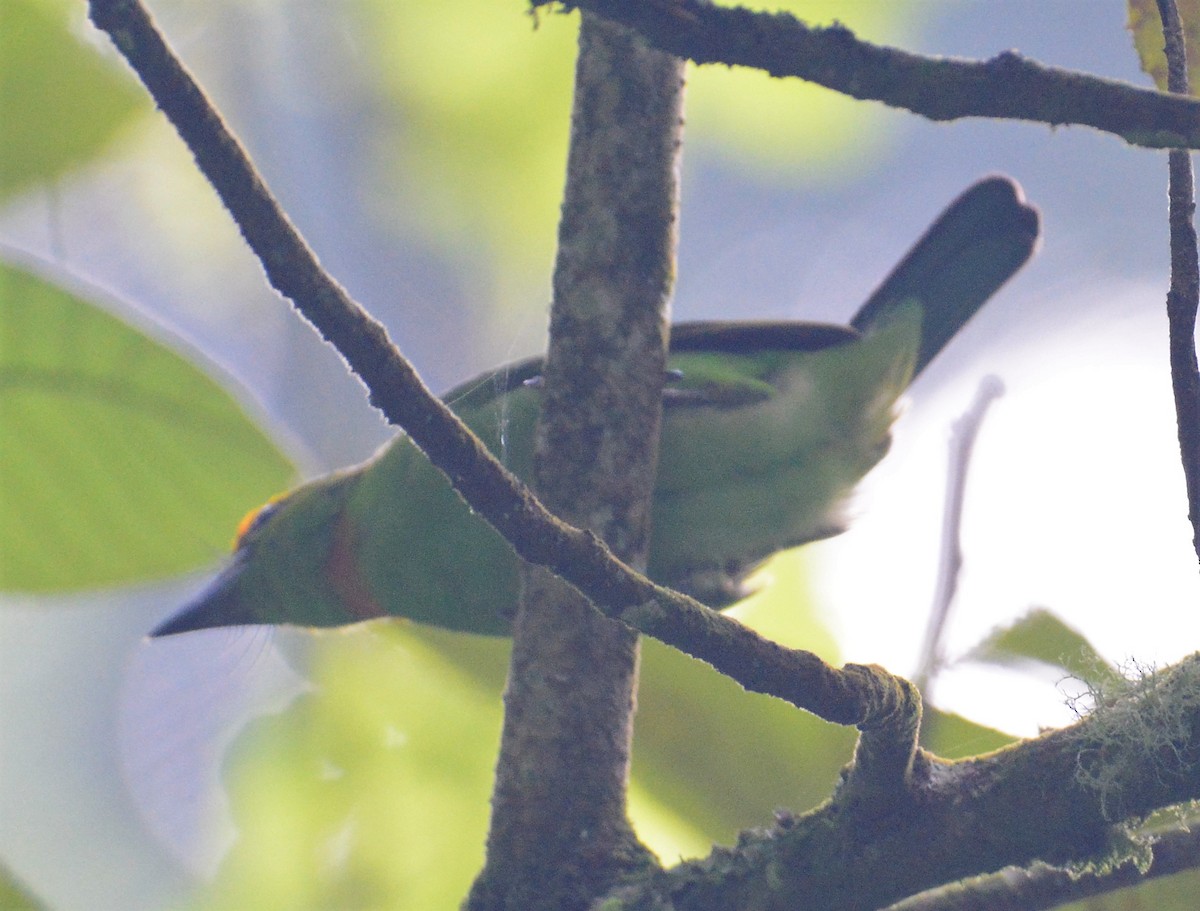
[767, 427]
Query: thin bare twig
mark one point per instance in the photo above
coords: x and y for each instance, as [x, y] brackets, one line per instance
[1008, 86]
[1185, 279]
[962, 444]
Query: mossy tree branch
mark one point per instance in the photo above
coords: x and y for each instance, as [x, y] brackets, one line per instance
[1042, 887]
[1058, 799]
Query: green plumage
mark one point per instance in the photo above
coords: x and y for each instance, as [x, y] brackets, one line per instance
[766, 429]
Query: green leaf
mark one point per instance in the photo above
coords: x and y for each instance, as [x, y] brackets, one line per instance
[1146, 28]
[14, 896]
[1041, 636]
[954, 737]
[122, 461]
[381, 773]
[60, 102]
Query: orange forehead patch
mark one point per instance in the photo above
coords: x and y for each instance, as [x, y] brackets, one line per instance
[250, 519]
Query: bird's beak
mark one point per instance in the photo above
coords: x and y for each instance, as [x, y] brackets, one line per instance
[220, 604]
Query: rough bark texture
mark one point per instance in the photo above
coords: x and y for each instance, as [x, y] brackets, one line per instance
[560, 835]
[1007, 86]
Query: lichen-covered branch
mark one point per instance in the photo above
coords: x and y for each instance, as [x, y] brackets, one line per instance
[1008, 86]
[1058, 799]
[1042, 887]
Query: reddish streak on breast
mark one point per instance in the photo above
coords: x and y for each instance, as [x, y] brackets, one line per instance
[344, 577]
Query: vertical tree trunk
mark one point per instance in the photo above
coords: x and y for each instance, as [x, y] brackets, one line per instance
[560, 835]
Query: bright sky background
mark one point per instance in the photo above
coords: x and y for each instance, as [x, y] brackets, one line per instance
[1074, 503]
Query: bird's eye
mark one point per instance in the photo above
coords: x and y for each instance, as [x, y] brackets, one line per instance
[254, 520]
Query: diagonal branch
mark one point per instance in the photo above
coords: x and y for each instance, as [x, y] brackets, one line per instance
[1008, 86]
[868, 697]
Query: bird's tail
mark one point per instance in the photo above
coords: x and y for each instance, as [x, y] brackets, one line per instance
[974, 247]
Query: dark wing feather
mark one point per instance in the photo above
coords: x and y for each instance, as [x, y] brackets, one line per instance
[755, 337]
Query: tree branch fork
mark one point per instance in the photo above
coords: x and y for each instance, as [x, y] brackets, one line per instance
[1070, 799]
[933, 809]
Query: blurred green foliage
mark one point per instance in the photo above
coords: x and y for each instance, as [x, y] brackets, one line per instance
[1146, 28]
[1041, 636]
[14, 896]
[67, 101]
[372, 790]
[482, 97]
[123, 462]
